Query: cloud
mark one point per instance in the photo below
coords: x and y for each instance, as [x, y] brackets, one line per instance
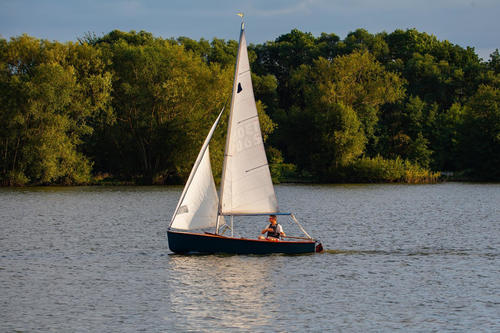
[266, 8]
[302, 6]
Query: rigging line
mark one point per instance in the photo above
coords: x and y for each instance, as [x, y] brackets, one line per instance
[260, 166]
[239, 122]
[243, 72]
[300, 226]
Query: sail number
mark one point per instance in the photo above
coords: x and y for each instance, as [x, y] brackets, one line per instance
[248, 136]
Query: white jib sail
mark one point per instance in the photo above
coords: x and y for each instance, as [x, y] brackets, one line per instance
[199, 207]
[198, 204]
[246, 186]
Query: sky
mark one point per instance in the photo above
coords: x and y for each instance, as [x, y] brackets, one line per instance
[474, 23]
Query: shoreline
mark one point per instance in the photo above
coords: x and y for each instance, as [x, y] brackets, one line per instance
[298, 181]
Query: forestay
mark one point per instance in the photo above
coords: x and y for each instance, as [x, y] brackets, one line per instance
[246, 186]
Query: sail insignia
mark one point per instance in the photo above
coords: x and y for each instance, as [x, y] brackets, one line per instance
[183, 210]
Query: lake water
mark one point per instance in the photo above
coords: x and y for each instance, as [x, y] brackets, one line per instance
[415, 258]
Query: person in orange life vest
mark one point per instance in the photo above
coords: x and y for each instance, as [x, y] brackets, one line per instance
[274, 230]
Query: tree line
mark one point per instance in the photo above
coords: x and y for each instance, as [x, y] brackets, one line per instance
[132, 107]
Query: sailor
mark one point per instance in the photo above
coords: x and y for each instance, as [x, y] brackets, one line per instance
[274, 230]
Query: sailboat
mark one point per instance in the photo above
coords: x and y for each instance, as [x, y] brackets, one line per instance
[246, 187]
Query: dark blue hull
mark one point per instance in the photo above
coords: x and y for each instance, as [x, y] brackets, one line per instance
[186, 242]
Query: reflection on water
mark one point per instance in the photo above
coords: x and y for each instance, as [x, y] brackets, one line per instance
[230, 290]
[95, 259]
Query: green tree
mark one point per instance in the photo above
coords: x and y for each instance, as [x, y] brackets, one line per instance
[340, 101]
[166, 94]
[494, 63]
[405, 130]
[281, 57]
[359, 81]
[436, 71]
[200, 48]
[447, 138]
[341, 137]
[165, 99]
[138, 106]
[46, 110]
[481, 134]
[362, 40]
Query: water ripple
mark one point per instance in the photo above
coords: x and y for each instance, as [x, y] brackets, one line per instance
[398, 257]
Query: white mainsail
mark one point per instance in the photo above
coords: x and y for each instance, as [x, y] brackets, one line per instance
[198, 205]
[246, 185]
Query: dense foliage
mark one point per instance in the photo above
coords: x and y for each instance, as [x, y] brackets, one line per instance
[133, 107]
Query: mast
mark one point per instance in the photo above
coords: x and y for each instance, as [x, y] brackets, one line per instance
[224, 165]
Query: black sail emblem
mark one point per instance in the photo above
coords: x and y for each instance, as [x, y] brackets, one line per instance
[239, 88]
